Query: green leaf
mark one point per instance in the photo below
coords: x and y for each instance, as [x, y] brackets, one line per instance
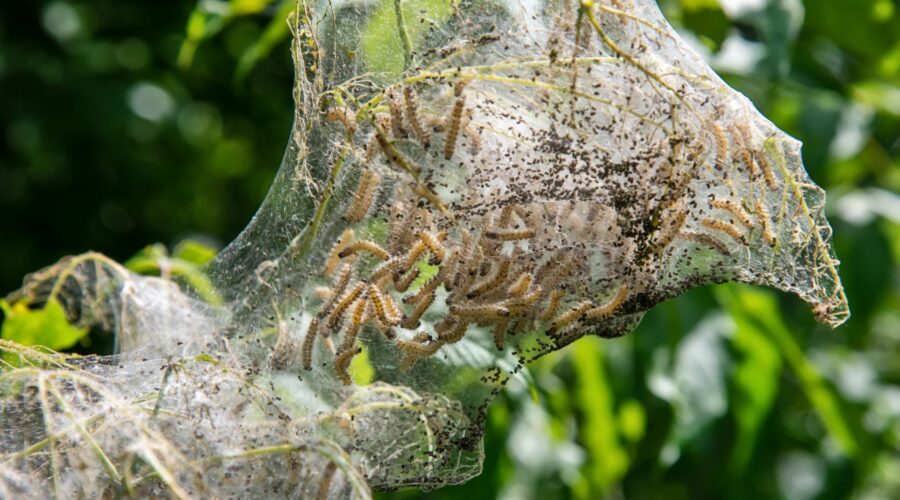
[194, 252]
[609, 460]
[275, 32]
[381, 43]
[755, 386]
[47, 326]
[761, 308]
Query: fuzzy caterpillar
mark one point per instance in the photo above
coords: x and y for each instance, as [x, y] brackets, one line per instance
[725, 227]
[362, 198]
[742, 216]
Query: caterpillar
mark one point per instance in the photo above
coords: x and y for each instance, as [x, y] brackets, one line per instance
[706, 240]
[448, 269]
[434, 246]
[763, 215]
[523, 303]
[429, 286]
[726, 228]
[721, 146]
[350, 335]
[510, 234]
[415, 252]
[451, 330]
[453, 126]
[364, 245]
[669, 230]
[396, 116]
[481, 312]
[746, 139]
[412, 116]
[570, 316]
[308, 343]
[412, 321]
[382, 310]
[385, 269]
[325, 484]
[337, 289]
[359, 312]
[520, 285]
[402, 283]
[474, 138]
[771, 180]
[414, 351]
[343, 303]
[498, 272]
[552, 304]
[399, 227]
[391, 308]
[362, 198]
[500, 333]
[342, 363]
[346, 116]
[333, 257]
[610, 307]
[742, 216]
[394, 156]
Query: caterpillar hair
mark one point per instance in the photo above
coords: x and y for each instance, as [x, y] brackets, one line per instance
[510, 234]
[740, 214]
[343, 303]
[721, 146]
[434, 246]
[396, 115]
[342, 364]
[766, 167]
[402, 282]
[385, 269]
[325, 482]
[496, 276]
[414, 350]
[610, 307]
[552, 304]
[381, 309]
[744, 149]
[333, 257]
[453, 126]
[359, 312]
[520, 285]
[451, 330]
[362, 198]
[725, 227]
[337, 289]
[412, 116]
[426, 288]
[521, 304]
[474, 138]
[763, 215]
[500, 333]
[412, 321]
[394, 156]
[570, 316]
[346, 116]
[364, 245]
[480, 312]
[706, 240]
[308, 343]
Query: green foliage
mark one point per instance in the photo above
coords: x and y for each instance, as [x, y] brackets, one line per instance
[186, 262]
[692, 405]
[46, 326]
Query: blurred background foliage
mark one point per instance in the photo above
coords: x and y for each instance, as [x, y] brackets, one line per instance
[126, 123]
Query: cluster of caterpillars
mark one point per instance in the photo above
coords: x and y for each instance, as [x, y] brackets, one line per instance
[488, 279]
[404, 122]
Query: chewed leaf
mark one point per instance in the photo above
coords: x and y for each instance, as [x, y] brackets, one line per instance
[491, 182]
